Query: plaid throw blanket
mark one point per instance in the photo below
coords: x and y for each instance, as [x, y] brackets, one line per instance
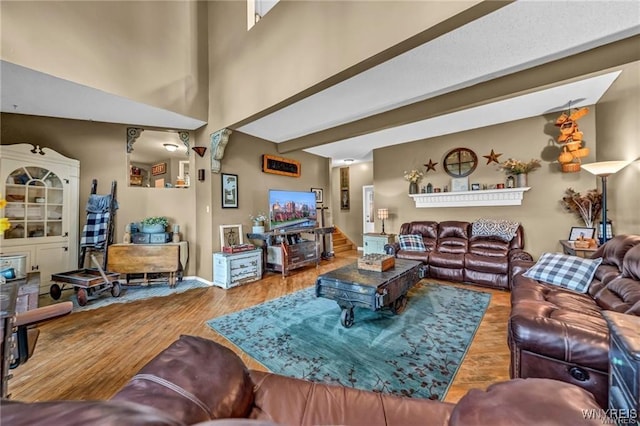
[94, 233]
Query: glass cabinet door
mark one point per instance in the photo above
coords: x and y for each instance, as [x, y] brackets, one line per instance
[34, 203]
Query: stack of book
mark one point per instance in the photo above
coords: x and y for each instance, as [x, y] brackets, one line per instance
[238, 248]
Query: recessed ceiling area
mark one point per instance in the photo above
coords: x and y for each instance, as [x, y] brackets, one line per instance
[578, 94]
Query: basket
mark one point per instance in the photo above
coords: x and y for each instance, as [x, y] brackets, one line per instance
[577, 136]
[581, 153]
[582, 244]
[572, 146]
[376, 262]
[571, 167]
[565, 157]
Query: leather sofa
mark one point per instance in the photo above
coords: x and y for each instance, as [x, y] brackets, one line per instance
[198, 381]
[454, 253]
[561, 334]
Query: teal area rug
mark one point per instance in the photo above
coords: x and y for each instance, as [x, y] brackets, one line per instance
[414, 354]
[130, 293]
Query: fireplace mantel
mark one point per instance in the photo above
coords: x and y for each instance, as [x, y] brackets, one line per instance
[488, 197]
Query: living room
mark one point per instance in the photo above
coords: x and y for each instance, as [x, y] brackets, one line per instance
[246, 74]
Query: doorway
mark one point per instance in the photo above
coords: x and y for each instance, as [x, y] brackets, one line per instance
[368, 218]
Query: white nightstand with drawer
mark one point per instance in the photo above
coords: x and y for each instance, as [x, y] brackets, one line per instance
[374, 243]
[233, 269]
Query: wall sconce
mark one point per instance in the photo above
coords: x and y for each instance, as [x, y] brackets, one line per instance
[201, 175]
[200, 150]
[383, 214]
[170, 147]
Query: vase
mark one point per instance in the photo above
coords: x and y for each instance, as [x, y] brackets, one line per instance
[258, 227]
[521, 180]
[413, 187]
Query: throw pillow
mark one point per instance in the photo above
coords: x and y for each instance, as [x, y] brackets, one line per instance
[571, 272]
[411, 242]
[503, 229]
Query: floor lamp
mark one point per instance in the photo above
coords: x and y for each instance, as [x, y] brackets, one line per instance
[604, 169]
[383, 214]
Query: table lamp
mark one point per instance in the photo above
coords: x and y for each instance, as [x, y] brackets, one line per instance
[383, 214]
[604, 169]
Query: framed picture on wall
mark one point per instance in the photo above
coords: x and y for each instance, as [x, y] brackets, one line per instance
[318, 192]
[159, 169]
[229, 188]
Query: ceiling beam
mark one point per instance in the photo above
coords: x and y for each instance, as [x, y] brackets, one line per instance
[563, 70]
[473, 13]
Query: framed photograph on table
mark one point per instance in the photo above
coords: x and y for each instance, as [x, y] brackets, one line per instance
[578, 233]
[318, 192]
[229, 189]
[230, 235]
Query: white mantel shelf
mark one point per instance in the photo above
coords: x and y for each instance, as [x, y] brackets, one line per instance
[488, 197]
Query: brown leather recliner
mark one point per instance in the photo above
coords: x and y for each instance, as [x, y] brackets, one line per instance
[195, 381]
[453, 253]
[560, 334]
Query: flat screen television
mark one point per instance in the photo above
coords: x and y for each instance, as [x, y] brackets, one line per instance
[292, 209]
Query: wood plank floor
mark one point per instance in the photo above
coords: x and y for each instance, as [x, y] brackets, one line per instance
[92, 354]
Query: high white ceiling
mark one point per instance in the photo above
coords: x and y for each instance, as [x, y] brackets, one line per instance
[519, 36]
[516, 37]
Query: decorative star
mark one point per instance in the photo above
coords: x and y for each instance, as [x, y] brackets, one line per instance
[430, 166]
[492, 158]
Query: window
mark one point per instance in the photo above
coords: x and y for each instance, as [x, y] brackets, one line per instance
[256, 9]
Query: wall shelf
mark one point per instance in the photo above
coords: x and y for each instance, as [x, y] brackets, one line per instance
[488, 197]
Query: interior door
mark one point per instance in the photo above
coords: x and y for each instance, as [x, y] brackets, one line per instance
[368, 218]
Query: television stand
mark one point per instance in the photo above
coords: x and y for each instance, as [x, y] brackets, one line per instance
[286, 250]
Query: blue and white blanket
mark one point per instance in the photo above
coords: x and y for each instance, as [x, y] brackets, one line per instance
[94, 233]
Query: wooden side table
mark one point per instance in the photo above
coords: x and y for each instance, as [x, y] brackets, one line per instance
[148, 259]
[569, 248]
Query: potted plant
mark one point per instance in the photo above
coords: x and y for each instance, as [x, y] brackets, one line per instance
[154, 224]
[520, 169]
[258, 222]
[413, 177]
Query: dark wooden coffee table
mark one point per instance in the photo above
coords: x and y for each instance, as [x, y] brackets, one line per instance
[351, 287]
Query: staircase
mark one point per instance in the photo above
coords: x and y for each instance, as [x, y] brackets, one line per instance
[341, 243]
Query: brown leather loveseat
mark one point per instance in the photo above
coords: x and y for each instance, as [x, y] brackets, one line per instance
[562, 334]
[465, 251]
[198, 381]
